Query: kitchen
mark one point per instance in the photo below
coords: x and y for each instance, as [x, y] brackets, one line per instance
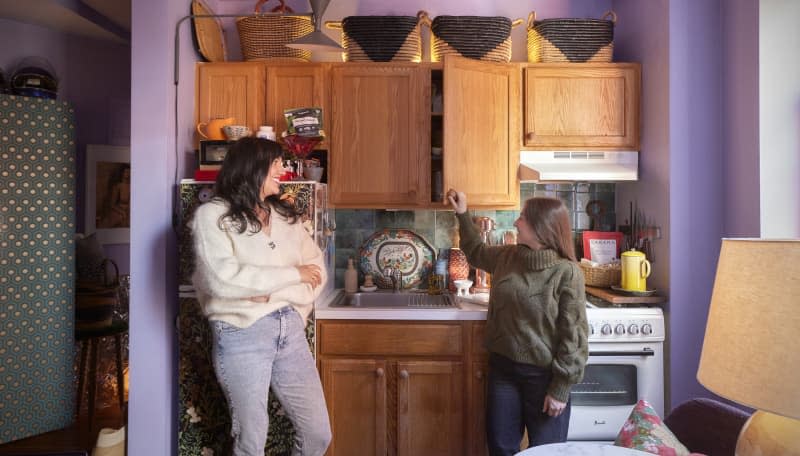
[379, 158]
[670, 183]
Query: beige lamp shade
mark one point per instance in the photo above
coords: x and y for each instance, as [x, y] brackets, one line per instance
[751, 351]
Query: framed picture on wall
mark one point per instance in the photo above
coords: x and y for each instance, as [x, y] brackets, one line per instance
[108, 193]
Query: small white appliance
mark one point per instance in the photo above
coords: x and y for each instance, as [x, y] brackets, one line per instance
[626, 363]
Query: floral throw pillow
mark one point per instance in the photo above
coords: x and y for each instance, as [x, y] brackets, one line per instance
[644, 431]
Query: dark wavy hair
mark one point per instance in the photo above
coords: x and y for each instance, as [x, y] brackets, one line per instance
[549, 219]
[239, 184]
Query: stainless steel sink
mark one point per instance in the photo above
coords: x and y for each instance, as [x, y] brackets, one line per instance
[394, 300]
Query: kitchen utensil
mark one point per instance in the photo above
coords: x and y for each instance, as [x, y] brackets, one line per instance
[234, 132]
[634, 293]
[462, 286]
[483, 280]
[213, 128]
[635, 271]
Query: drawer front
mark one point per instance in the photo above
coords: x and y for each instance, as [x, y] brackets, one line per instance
[385, 338]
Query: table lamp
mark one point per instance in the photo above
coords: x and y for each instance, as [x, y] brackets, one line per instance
[751, 350]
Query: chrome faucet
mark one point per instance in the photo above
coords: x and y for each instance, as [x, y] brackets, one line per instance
[396, 277]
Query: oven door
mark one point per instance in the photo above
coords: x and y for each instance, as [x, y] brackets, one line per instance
[616, 377]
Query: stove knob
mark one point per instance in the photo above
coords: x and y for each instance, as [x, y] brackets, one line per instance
[647, 329]
[619, 329]
[605, 330]
[591, 330]
[633, 329]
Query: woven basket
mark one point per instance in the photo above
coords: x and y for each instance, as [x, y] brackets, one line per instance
[265, 36]
[485, 38]
[601, 276]
[380, 38]
[571, 40]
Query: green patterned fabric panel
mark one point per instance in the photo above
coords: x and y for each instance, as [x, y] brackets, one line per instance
[37, 225]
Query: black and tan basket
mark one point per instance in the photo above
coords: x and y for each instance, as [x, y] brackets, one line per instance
[380, 38]
[571, 40]
[477, 37]
[266, 35]
[602, 276]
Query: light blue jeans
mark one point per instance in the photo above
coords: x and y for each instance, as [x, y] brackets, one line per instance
[273, 352]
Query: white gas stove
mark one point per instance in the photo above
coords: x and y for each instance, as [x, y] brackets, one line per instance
[626, 363]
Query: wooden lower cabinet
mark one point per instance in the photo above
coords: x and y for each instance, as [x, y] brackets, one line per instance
[355, 391]
[404, 398]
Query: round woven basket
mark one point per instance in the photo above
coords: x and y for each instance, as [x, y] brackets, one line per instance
[571, 40]
[485, 38]
[380, 38]
[266, 35]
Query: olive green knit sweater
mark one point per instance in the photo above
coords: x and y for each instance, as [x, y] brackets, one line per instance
[537, 307]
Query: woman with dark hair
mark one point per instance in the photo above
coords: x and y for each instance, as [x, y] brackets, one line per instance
[536, 327]
[257, 273]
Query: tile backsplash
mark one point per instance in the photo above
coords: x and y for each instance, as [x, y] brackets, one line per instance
[354, 226]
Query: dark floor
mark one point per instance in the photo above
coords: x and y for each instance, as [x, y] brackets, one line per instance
[76, 437]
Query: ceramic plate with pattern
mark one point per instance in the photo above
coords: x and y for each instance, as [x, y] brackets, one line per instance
[396, 248]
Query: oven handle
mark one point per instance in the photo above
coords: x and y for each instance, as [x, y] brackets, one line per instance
[644, 352]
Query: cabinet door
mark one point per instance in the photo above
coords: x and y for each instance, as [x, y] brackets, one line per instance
[294, 86]
[379, 136]
[476, 403]
[355, 392]
[481, 109]
[430, 410]
[593, 105]
[231, 90]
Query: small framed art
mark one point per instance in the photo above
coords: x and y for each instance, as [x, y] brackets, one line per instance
[602, 246]
[108, 193]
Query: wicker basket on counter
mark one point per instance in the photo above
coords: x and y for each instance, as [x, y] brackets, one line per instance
[266, 35]
[380, 38]
[485, 38]
[602, 276]
[571, 40]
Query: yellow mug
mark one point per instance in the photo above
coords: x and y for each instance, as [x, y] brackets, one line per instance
[635, 271]
[213, 129]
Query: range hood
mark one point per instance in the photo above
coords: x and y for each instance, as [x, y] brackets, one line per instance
[590, 166]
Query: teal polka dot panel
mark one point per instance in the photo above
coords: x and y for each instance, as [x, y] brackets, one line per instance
[37, 225]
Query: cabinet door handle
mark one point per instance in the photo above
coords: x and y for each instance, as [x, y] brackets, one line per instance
[403, 373]
[530, 135]
[479, 375]
[379, 372]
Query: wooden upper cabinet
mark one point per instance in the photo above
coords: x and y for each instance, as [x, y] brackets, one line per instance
[380, 138]
[481, 131]
[588, 105]
[233, 89]
[292, 86]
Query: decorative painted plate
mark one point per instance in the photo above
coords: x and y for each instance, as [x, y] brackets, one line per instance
[396, 248]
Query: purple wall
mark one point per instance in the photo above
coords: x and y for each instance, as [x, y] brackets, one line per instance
[95, 77]
[740, 118]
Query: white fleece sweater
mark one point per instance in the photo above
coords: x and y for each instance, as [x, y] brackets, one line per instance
[232, 267]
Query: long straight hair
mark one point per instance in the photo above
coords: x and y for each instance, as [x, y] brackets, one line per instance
[239, 183]
[549, 219]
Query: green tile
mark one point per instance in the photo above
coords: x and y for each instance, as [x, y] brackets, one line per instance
[506, 219]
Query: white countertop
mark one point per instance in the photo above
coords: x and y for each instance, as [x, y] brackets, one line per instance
[466, 310]
[469, 308]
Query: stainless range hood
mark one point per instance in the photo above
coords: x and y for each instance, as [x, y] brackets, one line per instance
[589, 166]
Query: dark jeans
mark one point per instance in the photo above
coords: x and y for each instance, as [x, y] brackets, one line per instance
[514, 402]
